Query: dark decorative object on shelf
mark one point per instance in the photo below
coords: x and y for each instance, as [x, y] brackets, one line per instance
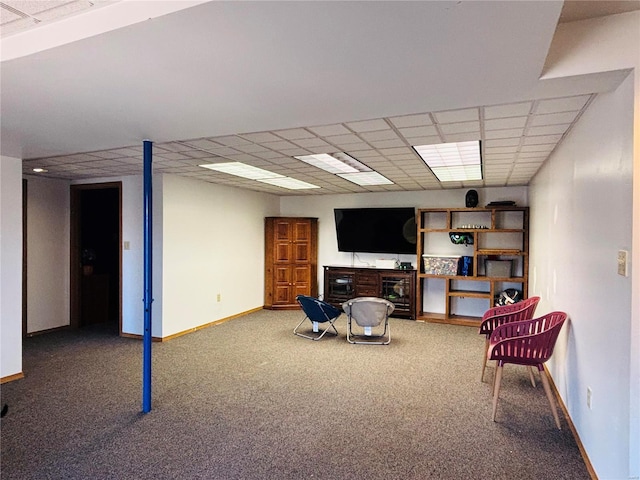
[471, 199]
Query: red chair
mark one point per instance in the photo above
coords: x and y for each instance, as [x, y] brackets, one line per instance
[495, 316]
[529, 343]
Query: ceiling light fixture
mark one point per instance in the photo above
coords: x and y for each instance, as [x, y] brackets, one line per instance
[336, 163]
[40, 170]
[288, 182]
[243, 170]
[345, 166]
[453, 162]
[366, 178]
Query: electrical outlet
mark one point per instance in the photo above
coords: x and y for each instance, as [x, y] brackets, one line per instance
[589, 397]
[218, 297]
[622, 263]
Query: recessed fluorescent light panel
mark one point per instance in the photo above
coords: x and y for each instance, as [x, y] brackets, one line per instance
[453, 162]
[366, 178]
[335, 163]
[345, 166]
[288, 182]
[243, 170]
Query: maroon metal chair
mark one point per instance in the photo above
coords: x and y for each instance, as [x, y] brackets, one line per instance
[495, 316]
[529, 343]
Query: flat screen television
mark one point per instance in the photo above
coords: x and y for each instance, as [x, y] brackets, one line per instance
[376, 230]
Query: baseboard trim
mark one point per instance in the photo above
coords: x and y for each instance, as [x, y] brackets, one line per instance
[11, 378]
[194, 329]
[572, 427]
[48, 330]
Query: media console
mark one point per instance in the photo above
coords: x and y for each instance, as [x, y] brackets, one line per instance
[397, 286]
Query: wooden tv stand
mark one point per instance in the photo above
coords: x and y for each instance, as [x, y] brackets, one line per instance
[397, 286]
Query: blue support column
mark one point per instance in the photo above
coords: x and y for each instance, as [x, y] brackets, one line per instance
[148, 298]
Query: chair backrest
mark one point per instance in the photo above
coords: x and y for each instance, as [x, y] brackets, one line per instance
[529, 342]
[368, 311]
[317, 310]
[515, 312]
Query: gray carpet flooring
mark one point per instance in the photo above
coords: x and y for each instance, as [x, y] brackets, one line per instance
[247, 399]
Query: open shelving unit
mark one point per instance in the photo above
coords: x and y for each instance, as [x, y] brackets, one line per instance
[497, 233]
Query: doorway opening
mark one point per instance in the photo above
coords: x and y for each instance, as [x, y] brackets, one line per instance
[96, 256]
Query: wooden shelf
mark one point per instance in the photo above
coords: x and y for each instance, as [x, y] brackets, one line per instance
[469, 294]
[449, 319]
[506, 236]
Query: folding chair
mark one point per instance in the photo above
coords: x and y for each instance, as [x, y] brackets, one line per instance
[317, 312]
[370, 315]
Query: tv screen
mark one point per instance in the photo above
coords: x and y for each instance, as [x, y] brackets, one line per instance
[376, 230]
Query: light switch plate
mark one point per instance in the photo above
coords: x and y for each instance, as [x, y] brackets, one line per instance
[622, 263]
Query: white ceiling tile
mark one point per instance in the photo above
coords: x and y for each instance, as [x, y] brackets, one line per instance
[250, 148]
[547, 130]
[201, 143]
[397, 151]
[106, 154]
[172, 156]
[379, 135]
[230, 140]
[368, 125]
[343, 139]
[464, 127]
[461, 137]
[261, 137]
[505, 123]
[501, 149]
[412, 120]
[294, 152]
[503, 142]
[294, 133]
[452, 116]
[311, 142]
[382, 144]
[423, 131]
[537, 148]
[329, 130]
[433, 140]
[280, 145]
[267, 155]
[508, 133]
[552, 119]
[540, 139]
[364, 153]
[533, 155]
[511, 110]
[566, 104]
[498, 156]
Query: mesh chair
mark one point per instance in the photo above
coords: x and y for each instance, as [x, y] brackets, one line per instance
[529, 343]
[505, 314]
[317, 312]
[368, 320]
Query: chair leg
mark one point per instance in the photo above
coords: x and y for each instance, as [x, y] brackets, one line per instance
[496, 390]
[552, 403]
[531, 377]
[484, 358]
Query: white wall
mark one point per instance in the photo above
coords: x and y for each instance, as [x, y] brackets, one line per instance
[10, 266]
[586, 47]
[213, 244]
[47, 253]
[321, 206]
[581, 216]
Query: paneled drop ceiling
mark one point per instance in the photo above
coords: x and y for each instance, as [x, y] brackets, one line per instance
[222, 87]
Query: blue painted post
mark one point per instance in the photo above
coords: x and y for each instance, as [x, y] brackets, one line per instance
[148, 298]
